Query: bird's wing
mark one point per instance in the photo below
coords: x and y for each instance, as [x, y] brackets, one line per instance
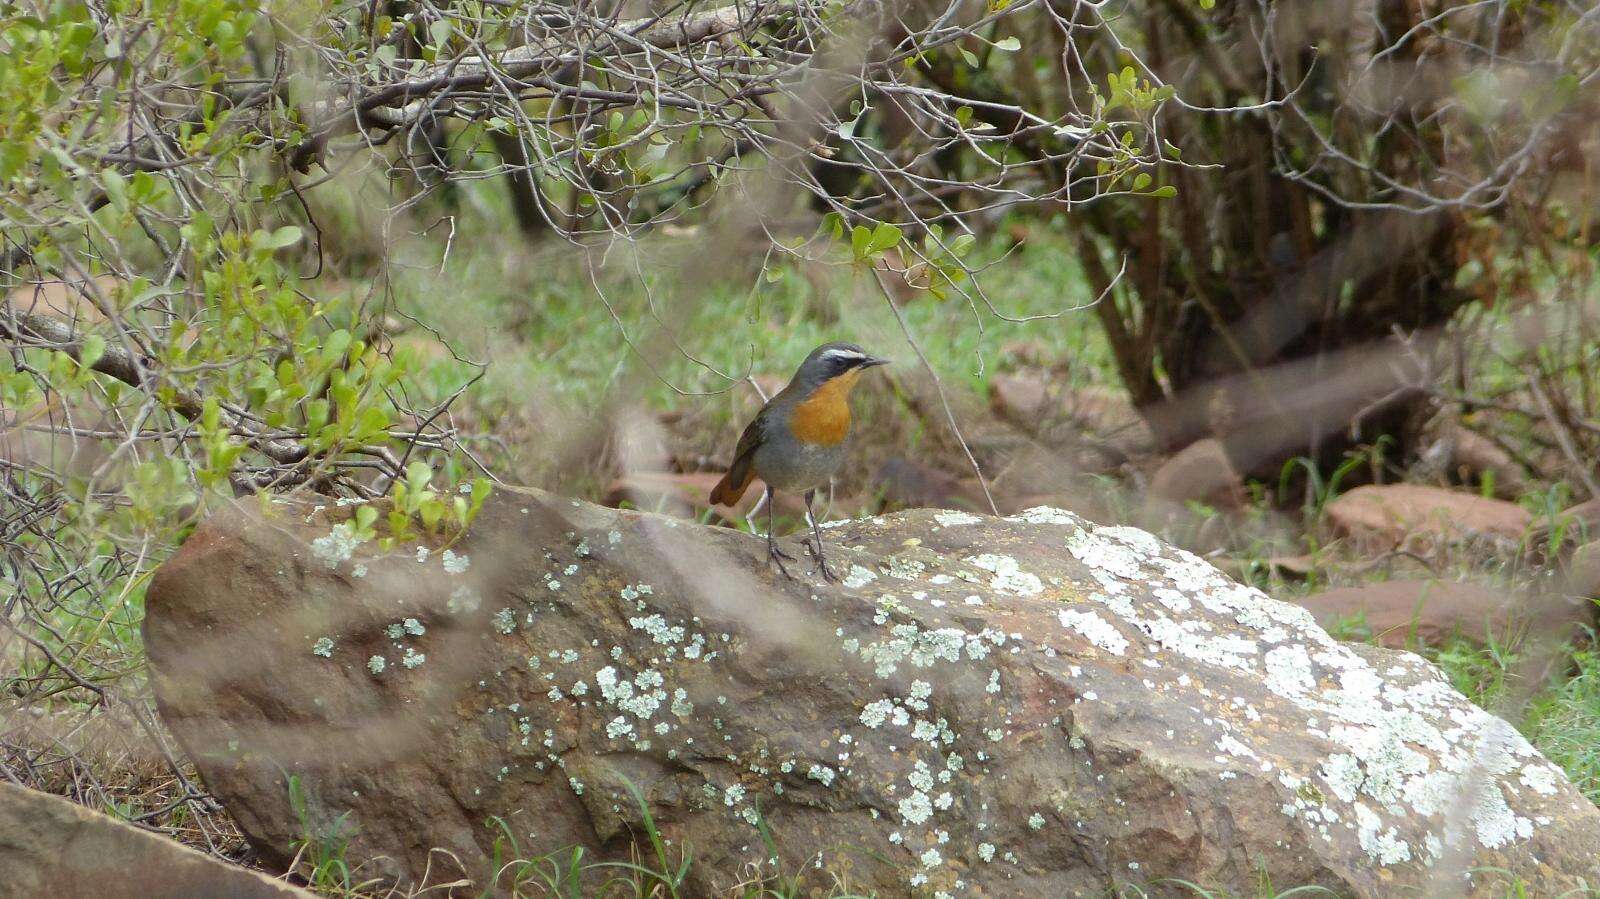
[742, 471]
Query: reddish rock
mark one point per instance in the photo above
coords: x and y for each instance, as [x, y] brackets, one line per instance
[1406, 613]
[1035, 706]
[1111, 416]
[1400, 513]
[1200, 472]
[1474, 454]
[1582, 575]
[1555, 536]
[50, 847]
[1019, 399]
[904, 483]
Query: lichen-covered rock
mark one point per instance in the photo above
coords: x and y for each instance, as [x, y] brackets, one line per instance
[1027, 706]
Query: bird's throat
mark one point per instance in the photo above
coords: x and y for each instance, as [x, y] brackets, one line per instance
[824, 416]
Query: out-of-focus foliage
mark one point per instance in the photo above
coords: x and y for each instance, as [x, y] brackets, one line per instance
[180, 329]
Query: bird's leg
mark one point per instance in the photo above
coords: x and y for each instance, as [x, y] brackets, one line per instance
[775, 555]
[814, 542]
[750, 517]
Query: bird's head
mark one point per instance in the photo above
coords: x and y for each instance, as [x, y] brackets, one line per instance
[836, 363]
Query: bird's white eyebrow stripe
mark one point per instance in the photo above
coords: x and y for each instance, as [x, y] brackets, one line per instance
[843, 354]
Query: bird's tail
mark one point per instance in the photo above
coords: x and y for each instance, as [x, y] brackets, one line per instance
[734, 483]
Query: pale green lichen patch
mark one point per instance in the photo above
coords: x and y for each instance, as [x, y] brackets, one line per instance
[337, 545]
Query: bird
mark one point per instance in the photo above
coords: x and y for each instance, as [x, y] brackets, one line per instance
[797, 441]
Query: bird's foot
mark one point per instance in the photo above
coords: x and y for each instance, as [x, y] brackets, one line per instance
[776, 556]
[828, 574]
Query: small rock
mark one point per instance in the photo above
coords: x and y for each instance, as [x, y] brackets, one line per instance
[1406, 613]
[904, 483]
[1399, 513]
[1200, 472]
[1019, 399]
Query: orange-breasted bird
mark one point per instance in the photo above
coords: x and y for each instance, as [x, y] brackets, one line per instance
[797, 441]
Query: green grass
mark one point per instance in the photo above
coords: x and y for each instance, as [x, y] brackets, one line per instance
[673, 324]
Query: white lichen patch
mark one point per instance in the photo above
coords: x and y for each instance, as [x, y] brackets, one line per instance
[453, 563]
[1008, 575]
[1046, 515]
[463, 601]
[859, 577]
[505, 621]
[337, 545]
[950, 518]
[1095, 629]
[323, 647]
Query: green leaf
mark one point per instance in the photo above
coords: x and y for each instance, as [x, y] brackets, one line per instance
[365, 516]
[211, 414]
[418, 475]
[1141, 181]
[432, 510]
[883, 237]
[287, 236]
[1165, 192]
[333, 348]
[969, 56]
[860, 241]
[1009, 45]
[94, 346]
[1208, 4]
[440, 32]
[116, 188]
[316, 416]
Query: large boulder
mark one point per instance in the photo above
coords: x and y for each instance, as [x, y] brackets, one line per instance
[1023, 706]
[52, 847]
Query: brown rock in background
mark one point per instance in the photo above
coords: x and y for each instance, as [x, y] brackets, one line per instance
[1200, 472]
[1400, 513]
[1019, 399]
[1406, 613]
[905, 483]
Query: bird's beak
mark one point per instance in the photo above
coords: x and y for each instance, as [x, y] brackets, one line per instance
[874, 360]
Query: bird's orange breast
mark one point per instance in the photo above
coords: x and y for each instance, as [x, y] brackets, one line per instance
[824, 417]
